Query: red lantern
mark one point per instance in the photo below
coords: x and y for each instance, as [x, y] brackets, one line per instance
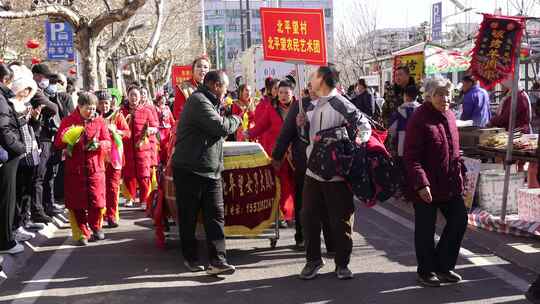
[32, 44]
[73, 71]
[36, 60]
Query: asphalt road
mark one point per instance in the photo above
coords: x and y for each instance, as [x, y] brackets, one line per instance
[128, 268]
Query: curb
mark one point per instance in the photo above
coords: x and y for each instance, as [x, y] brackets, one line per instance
[11, 264]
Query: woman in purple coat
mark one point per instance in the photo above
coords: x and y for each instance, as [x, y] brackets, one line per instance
[435, 176]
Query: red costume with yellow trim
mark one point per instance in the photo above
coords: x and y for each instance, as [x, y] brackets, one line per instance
[84, 172]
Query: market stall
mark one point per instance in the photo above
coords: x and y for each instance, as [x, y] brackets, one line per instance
[250, 191]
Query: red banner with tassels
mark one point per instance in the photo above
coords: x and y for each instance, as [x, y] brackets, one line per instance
[494, 52]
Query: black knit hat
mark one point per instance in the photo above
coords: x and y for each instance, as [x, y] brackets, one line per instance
[42, 69]
[103, 95]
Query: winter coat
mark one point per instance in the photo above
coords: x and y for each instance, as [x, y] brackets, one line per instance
[267, 126]
[398, 125]
[366, 104]
[138, 148]
[523, 113]
[166, 125]
[153, 138]
[239, 111]
[476, 106]
[116, 155]
[84, 171]
[10, 137]
[184, 90]
[432, 156]
[49, 121]
[289, 136]
[200, 135]
[261, 123]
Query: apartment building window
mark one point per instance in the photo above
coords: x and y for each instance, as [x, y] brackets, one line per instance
[328, 12]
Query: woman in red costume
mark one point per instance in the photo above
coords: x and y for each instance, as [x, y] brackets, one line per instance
[261, 119]
[199, 68]
[138, 148]
[166, 123]
[270, 129]
[85, 137]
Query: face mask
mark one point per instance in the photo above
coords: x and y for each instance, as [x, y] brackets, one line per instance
[53, 88]
[43, 84]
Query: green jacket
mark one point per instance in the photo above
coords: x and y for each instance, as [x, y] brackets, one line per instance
[200, 135]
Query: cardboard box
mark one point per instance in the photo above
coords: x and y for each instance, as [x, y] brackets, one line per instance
[529, 205]
[490, 191]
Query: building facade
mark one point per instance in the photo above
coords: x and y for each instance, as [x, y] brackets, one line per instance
[223, 26]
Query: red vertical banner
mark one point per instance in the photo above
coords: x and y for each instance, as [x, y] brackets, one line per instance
[494, 53]
[180, 73]
[293, 34]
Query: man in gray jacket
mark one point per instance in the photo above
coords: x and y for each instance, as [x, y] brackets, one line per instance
[198, 163]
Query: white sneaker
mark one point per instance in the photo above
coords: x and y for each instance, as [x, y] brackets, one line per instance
[35, 226]
[21, 235]
[13, 250]
[129, 204]
[3, 276]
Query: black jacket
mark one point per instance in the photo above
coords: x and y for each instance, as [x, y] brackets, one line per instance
[364, 102]
[289, 136]
[10, 135]
[46, 127]
[200, 135]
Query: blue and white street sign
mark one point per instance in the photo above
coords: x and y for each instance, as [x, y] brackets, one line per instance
[436, 22]
[59, 41]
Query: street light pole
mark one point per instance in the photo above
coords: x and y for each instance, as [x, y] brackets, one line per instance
[248, 24]
[203, 27]
[242, 36]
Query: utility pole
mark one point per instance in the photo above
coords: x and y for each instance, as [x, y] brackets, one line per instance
[242, 35]
[203, 27]
[248, 24]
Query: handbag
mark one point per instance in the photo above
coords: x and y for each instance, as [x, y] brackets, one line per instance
[332, 153]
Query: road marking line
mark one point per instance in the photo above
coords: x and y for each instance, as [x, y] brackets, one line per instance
[473, 258]
[45, 274]
[525, 248]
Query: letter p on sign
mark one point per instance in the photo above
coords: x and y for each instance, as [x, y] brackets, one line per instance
[56, 28]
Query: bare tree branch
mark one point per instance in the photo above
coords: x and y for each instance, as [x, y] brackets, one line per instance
[50, 10]
[150, 48]
[117, 15]
[117, 39]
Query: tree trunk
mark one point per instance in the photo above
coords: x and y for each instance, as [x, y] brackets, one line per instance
[151, 85]
[102, 69]
[88, 50]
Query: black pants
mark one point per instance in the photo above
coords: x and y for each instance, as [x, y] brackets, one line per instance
[336, 200]
[443, 256]
[8, 190]
[298, 199]
[25, 187]
[193, 194]
[43, 197]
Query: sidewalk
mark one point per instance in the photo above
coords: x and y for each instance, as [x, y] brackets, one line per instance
[522, 251]
[11, 264]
